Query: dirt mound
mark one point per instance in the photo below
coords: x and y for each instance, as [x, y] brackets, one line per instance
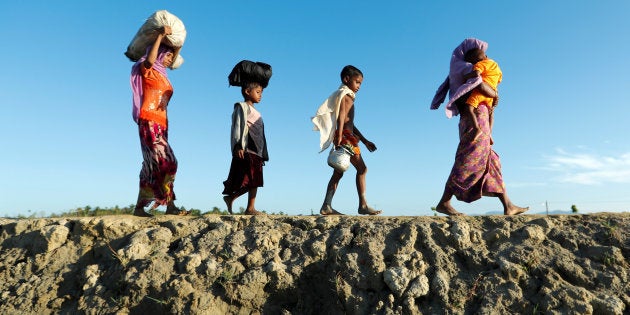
[317, 265]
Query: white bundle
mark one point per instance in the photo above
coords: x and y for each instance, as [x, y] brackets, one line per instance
[147, 33]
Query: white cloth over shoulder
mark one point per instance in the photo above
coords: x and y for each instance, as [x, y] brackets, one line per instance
[146, 36]
[325, 120]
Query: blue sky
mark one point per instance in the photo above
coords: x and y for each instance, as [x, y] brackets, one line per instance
[561, 128]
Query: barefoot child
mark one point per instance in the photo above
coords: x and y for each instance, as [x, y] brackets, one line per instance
[335, 122]
[248, 143]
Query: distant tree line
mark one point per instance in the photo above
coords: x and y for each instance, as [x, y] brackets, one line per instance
[89, 211]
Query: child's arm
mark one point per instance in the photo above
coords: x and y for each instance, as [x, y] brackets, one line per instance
[368, 144]
[484, 87]
[472, 74]
[487, 90]
[238, 119]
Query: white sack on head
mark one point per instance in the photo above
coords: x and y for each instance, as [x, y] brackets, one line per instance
[146, 36]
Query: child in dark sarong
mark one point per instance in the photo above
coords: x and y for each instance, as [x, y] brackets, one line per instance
[249, 146]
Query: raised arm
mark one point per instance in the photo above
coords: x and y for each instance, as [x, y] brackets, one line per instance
[471, 74]
[153, 54]
[484, 87]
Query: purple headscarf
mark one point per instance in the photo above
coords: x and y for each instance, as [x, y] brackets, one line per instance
[136, 77]
[454, 83]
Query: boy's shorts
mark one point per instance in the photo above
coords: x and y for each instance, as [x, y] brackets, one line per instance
[349, 139]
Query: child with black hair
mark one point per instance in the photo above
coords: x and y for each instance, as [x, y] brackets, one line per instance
[335, 122]
[248, 143]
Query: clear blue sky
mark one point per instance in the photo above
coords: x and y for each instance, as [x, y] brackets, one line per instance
[561, 129]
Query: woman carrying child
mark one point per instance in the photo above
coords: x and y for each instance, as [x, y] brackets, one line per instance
[476, 171]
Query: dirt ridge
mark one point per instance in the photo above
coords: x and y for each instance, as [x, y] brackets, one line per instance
[560, 264]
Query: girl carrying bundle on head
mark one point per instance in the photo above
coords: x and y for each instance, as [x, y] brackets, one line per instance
[152, 92]
[247, 142]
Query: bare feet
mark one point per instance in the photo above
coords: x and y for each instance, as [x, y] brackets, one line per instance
[252, 212]
[176, 211]
[369, 211]
[139, 212]
[228, 201]
[514, 210]
[447, 209]
[328, 210]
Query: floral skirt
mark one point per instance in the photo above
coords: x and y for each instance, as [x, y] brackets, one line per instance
[477, 168]
[159, 165]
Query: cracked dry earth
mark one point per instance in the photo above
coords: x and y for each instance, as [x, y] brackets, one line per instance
[530, 264]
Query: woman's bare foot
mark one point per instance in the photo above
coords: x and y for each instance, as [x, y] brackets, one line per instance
[369, 211]
[176, 211]
[228, 201]
[447, 209]
[514, 210]
[328, 210]
[139, 212]
[252, 212]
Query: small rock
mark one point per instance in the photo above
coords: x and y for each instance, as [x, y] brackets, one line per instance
[396, 279]
[418, 287]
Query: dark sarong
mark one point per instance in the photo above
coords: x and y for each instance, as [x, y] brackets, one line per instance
[244, 174]
[477, 168]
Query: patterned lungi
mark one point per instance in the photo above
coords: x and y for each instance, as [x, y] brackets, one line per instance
[477, 168]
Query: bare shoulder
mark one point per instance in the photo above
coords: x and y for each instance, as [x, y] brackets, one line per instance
[347, 100]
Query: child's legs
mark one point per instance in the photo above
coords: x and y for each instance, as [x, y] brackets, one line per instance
[251, 199]
[332, 187]
[229, 199]
[239, 193]
[359, 165]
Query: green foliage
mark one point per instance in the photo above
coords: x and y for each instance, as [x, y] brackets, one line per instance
[89, 211]
[227, 276]
[574, 209]
[608, 260]
[158, 301]
[216, 210]
[610, 230]
[37, 214]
